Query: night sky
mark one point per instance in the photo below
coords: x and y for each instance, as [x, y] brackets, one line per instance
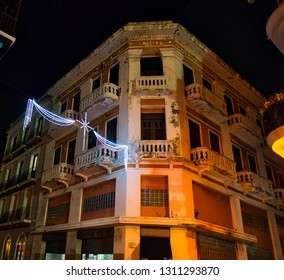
[54, 36]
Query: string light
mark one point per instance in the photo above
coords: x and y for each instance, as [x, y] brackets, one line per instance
[28, 115]
[61, 121]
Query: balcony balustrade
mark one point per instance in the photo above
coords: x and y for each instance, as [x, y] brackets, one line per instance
[25, 178]
[207, 159]
[255, 185]
[17, 215]
[243, 128]
[61, 172]
[153, 149]
[154, 84]
[96, 156]
[279, 196]
[206, 102]
[103, 97]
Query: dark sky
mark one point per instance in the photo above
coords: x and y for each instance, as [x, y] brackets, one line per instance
[53, 36]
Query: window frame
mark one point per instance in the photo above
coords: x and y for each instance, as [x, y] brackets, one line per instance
[94, 80]
[241, 158]
[145, 69]
[211, 132]
[106, 129]
[200, 134]
[229, 99]
[250, 155]
[54, 154]
[68, 150]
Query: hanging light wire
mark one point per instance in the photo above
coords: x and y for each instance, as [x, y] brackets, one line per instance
[61, 121]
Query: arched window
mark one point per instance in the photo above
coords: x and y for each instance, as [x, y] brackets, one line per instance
[7, 249]
[21, 247]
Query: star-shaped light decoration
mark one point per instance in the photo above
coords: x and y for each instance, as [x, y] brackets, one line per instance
[85, 125]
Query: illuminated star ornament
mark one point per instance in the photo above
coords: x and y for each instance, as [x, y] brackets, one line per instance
[58, 120]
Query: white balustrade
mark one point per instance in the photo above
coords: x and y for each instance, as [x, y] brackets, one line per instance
[199, 92]
[259, 184]
[279, 195]
[96, 156]
[239, 120]
[203, 156]
[151, 83]
[61, 171]
[71, 114]
[154, 148]
[107, 90]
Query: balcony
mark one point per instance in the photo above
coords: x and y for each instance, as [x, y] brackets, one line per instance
[205, 102]
[15, 151]
[102, 98]
[255, 185]
[245, 129]
[156, 85]
[60, 173]
[153, 149]
[56, 130]
[18, 216]
[22, 180]
[279, 196]
[98, 156]
[211, 163]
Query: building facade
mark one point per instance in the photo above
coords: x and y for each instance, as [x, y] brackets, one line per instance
[198, 180]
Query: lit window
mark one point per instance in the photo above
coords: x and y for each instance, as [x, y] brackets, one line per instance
[7, 249]
[21, 248]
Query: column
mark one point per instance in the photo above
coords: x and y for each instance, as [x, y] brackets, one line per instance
[183, 244]
[75, 206]
[276, 243]
[38, 248]
[238, 226]
[42, 210]
[73, 246]
[126, 243]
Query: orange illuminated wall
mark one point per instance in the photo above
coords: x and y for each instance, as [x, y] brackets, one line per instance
[154, 196]
[211, 206]
[256, 223]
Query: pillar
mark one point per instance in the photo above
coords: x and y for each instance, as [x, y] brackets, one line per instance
[38, 248]
[183, 244]
[73, 246]
[75, 206]
[126, 243]
[238, 226]
[276, 243]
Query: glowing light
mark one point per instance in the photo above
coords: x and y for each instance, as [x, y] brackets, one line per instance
[275, 140]
[278, 147]
[61, 121]
[85, 126]
[51, 117]
[28, 115]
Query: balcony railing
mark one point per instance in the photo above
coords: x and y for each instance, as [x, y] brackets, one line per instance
[19, 214]
[157, 149]
[255, 184]
[107, 91]
[95, 156]
[20, 178]
[210, 160]
[61, 172]
[245, 128]
[206, 102]
[279, 196]
[152, 83]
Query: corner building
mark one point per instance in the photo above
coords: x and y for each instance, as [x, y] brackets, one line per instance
[199, 181]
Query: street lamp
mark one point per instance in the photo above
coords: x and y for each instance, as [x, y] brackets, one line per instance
[273, 117]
